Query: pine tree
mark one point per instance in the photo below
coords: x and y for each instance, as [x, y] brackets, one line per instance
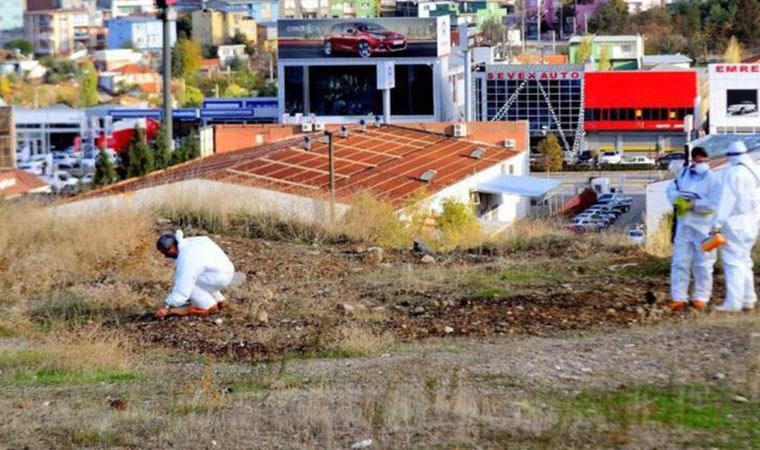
[192, 146]
[105, 172]
[163, 151]
[140, 156]
[88, 85]
[734, 52]
[552, 152]
[604, 59]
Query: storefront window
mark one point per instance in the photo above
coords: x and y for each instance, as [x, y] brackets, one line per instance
[413, 94]
[344, 91]
[294, 101]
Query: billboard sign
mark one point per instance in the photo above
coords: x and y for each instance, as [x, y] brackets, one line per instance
[363, 38]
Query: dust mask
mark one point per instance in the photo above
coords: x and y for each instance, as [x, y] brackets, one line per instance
[700, 168]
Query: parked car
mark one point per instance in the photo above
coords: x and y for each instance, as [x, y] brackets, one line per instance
[570, 158]
[63, 159]
[33, 167]
[642, 160]
[665, 160]
[611, 157]
[741, 108]
[87, 178]
[636, 236]
[61, 182]
[362, 38]
[586, 158]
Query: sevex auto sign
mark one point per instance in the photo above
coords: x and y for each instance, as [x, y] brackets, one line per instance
[533, 76]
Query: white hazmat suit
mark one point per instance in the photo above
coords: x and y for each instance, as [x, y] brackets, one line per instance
[737, 217]
[701, 185]
[201, 271]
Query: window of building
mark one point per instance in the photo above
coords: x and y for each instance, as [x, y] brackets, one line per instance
[294, 100]
[344, 91]
[413, 94]
[626, 48]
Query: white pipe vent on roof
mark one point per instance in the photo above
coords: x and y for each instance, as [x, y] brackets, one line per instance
[477, 153]
[427, 176]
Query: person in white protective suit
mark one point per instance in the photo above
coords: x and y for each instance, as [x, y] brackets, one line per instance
[201, 271]
[737, 219]
[694, 193]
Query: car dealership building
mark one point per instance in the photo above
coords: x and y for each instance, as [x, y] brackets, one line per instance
[734, 92]
[345, 70]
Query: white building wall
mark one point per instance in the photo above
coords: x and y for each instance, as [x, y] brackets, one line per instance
[738, 77]
[230, 197]
[513, 207]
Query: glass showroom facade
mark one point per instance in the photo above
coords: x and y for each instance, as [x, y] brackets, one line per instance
[550, 98]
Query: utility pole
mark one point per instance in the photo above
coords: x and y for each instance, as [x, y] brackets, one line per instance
[538, 20]
[331, 169]
[522, 25]
[167, 16]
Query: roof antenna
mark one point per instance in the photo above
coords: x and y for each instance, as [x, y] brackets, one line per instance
[343, 131]
[363, 123]
[307, 143]
[377, 121]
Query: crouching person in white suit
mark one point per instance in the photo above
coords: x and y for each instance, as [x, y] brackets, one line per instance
[202, 270]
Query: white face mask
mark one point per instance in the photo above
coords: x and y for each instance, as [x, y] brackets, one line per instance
[735, 159]
[700, 168]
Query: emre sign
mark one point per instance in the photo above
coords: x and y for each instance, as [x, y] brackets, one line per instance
[533, 76]
[738, 68]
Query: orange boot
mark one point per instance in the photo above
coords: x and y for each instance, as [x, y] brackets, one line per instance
[699, 305]
[676, 305]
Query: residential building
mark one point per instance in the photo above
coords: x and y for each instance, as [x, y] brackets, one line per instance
[122, 8]
[305, 9]
[23, 67]
[214, 27]
[228, 54]
[127, 77]
[112, 59]
[258, 10]
[44, 5]
[637, 6]
[623, 52]
[665, 62]
[16, 183]
[51, 32]
[12, 16]
[140, 33]
[353, 8]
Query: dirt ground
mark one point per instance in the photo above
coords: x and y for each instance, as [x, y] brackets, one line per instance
[297, 297]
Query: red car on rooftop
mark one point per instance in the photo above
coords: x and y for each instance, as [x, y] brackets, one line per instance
[362, 38]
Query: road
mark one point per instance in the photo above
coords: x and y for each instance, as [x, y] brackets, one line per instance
[413, 49]
[631, 183]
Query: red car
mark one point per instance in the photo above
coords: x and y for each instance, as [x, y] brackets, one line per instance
[363, 38]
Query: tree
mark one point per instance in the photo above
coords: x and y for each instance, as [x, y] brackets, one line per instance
[493, 31]
[186, 59]
[105, 172]
[185, 26]
[193, 97]
[6, 90]
[584, 51]
[192, 146]
[734, 52]
[748, 22]
[233, 90]
[88, 85]
[552, 153]
[604, 59]
[22, 45]
[140, 157]
[611, 18]
[163, 151]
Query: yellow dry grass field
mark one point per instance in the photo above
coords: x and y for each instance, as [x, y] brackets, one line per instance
[531, 338]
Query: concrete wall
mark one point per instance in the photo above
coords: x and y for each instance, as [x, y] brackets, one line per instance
[215, 195]
[657, 205]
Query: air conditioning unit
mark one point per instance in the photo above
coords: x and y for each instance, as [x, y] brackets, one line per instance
[510, 143]
[460, 130]
[306, 127]
[319, 126]
[475, 197]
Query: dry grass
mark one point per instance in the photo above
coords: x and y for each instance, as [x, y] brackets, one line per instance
[658, 243]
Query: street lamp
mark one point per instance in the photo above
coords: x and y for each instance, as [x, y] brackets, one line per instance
[165, 6]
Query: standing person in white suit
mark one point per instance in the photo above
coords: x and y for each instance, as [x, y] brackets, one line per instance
[201, 271]
[694, 194]
[737, 220]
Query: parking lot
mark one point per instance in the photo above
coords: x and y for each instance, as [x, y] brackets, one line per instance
[631, 183]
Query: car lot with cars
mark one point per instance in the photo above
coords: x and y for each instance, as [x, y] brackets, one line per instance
[602, 214]
[67, 172]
